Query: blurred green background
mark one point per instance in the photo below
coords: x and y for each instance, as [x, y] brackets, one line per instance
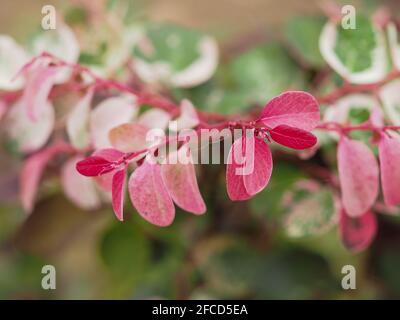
[235, 250]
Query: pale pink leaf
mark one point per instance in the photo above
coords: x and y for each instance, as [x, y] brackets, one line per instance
[129, 137]
[118, 193]
[149, 195]
[357, 233]
[188, 118]
[180, 179]
[389, 156]
[27, 135]
[259, 177]
[293, 137]
[40, 80]
[358, 174]
[293, 108]
[78, 122]
[108, 114]
[154, 119]
[79, 189]
[31, 173]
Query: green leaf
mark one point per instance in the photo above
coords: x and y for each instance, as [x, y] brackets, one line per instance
[178, 56]
[303, 34]
[264, 72]
[354, 47]
[269, 201]
[314, 214]
[125, 252]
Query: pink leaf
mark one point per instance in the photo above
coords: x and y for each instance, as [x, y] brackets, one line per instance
[358, 174]
[357, 233]
[3, 109]
[293, 108]
[31, 173]
[79, 189]
[258, 179]
[27, 135]
[37, 88]
[234, 181]
[108, 114]
[118, 193]
[149, 195]
[389, 156]
[249, 168]
[180, 180]
[94, 166]
[78, 121]
[293, 137]
[129, 137]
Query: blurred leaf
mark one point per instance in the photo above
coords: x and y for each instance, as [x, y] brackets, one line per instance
[125, 252]
[264, 72]
[314, 214]
[354, 47]
[303, 34]
[269, 201]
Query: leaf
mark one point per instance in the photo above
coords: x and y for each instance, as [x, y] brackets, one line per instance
[293, 137]
[129, 137]
[234, 182]
[31, 173]
[389, 158]
[293, 108]
[79, 190]
[358, 174]
[107, 115]
[174, 55]
[40, 80]
[358, 55]
[154, 119]
[303, 33]
[264, 72]
[249, 168]
[25, 134]
[149, 195]
[188, 118]
[258, 179]
[357, 233]
[105, 181]
[60, 42]
[393, 41]
[390, 97]
[12, 58]
[301, 221]
[180, 179]
[78, 122]
[94, 166]
[118, 193]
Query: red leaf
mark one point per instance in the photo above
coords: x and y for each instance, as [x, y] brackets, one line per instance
[357, 233]
[293, 108]
[249, 168]
[118, 193]
[181, 182]
[258, 179]
[234, 182]
[94, 166]
[358, 174]
[293, 137]
[149, 195]
[389, 156]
